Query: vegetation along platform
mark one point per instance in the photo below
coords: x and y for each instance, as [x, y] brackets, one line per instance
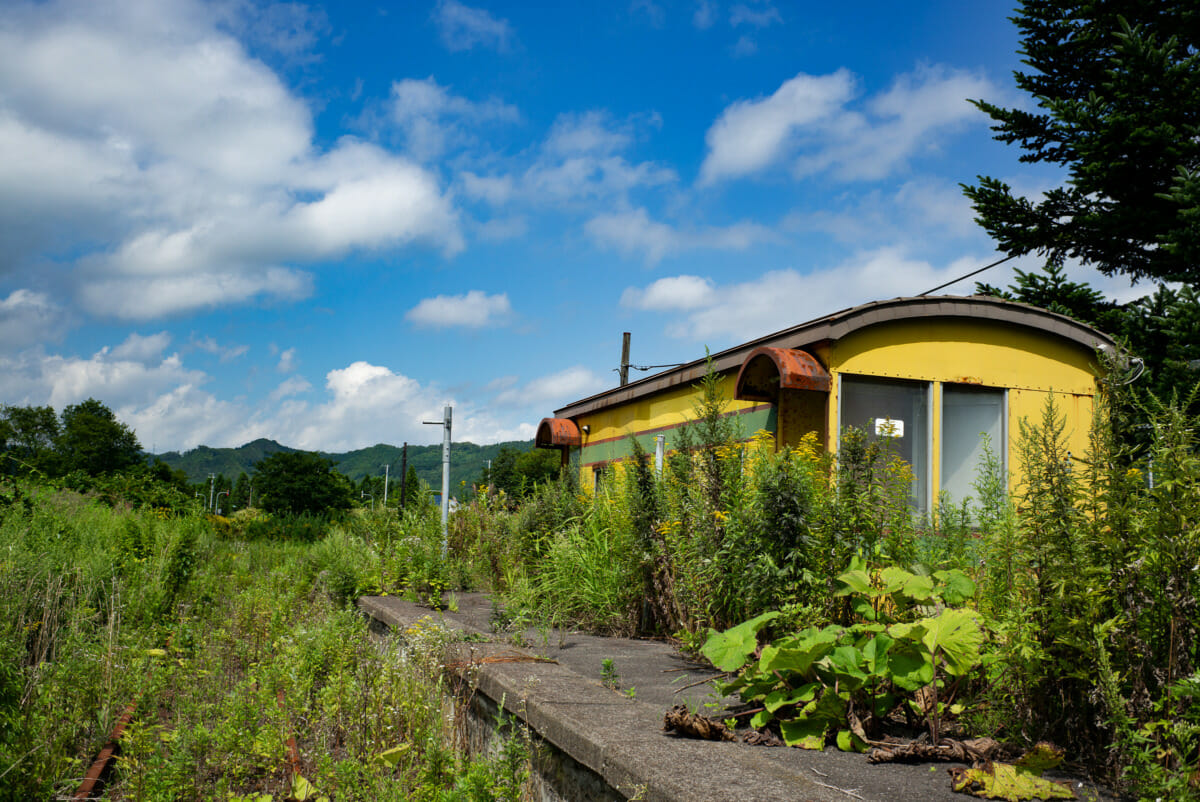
[608, 723]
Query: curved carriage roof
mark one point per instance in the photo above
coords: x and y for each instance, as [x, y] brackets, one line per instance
[840, 324]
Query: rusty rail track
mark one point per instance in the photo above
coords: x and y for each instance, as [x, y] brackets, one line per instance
[94, 781]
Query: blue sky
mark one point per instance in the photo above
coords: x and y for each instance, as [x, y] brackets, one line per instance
[320, 223]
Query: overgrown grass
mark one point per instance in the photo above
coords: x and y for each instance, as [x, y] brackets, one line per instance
[228, 647]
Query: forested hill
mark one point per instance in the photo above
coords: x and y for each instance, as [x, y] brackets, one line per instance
[466, 460]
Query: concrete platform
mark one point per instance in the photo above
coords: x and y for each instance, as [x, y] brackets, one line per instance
[613, 739]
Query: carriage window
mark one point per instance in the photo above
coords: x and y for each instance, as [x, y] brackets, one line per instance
[969, 413]
[898, 411]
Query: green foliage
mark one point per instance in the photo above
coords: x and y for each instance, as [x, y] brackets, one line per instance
[843, 682]
[28, 439]
[93, 441]
[230, 647]
[518, 473]
[1115, 85]
[300, 482]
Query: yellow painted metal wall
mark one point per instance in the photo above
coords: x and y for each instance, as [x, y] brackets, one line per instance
[985, 353]
[1031, 366]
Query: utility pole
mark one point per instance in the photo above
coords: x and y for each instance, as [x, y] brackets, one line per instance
[403, 477]
[386, 478]
[447, 412]
[625, 359]
[212, 483]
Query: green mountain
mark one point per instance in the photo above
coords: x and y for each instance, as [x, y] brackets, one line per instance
[467, 460]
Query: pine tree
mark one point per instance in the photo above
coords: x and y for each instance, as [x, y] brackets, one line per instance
[1117, 88]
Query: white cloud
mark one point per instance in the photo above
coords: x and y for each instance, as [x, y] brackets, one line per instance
[743, 47]
[225, 353]
[906, 119]
[496, 190]
[759, 16]
[590, 132]
[752, 134]
[500, 229]
[287, 361]
[293, 385]
[432, 119]
[549, 391]
[808, 123]
[475, 309]
[142, 136]
[462, 27]
[733, 313]
[28, 317]
[671, 293]
[918, 211]
[141, 348]
[121, 382]
[705, 14]
[633, 233]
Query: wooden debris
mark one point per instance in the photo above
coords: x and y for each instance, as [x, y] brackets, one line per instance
[680, 721]
[762, 738]
[948, 750]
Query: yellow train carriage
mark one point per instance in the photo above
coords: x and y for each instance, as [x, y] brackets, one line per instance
[933, 373]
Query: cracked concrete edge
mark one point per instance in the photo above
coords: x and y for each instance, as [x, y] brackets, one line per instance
[623, 746]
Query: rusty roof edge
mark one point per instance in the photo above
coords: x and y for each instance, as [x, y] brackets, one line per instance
[838, 324]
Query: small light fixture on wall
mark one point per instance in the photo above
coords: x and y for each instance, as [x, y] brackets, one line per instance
[585, 429]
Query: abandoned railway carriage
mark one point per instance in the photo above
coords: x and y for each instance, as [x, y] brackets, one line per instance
[933, 372]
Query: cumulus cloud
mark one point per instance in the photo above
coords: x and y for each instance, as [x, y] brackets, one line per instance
[718, 314]
[808, 123]
[145, 137]
[141, 348]
[671, 293]
[474, 310]
[557, 388]
[752, 134]
[28, 317]
[433, 120]
[462, 27]
[633, 233]
[293, 385]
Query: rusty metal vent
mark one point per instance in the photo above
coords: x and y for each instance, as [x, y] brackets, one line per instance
[557, 433]
[767, 370]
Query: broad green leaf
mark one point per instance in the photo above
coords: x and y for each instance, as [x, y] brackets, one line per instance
[302, 790]
[957, 587]
[778, 699]
[393, 756]
[761, 719]
[804, 733]
[855, 579]
[728, 650]
[911, 666]
[1008, 782]
[957, 637]
[1042, 757]
[843, 667]
[875, 654]
[906, 587]
[847, 741]
[799, 656]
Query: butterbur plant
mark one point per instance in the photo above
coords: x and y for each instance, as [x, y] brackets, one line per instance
[844, 681]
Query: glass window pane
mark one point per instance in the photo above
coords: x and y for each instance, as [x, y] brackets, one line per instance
[897, 409]
[968, 413]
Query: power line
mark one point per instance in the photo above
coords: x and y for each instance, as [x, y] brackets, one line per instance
[968, 275]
